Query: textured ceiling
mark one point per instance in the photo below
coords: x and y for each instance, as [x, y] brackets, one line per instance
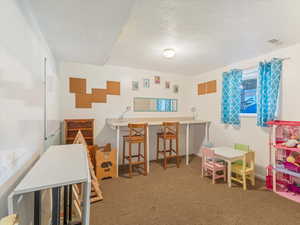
[81, 30]
[206, 34]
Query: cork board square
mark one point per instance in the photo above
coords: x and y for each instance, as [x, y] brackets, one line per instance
[83, 100]
[113, 87]
[211, 86]
[77, 85]
[99, 95]
[202, 89]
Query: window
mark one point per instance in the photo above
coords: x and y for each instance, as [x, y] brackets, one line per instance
[154, 105]
[248, 95]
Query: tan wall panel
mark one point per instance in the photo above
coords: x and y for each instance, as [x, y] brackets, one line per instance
[202, 89]
[99, 95]
[83, 100]
[77, 85]
[211, 86]
[113, 87]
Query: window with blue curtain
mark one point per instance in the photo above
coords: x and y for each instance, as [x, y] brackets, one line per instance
[254, 92]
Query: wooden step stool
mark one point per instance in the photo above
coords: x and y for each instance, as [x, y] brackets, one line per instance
[105, 162]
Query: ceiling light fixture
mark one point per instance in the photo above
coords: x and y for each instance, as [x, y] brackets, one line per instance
[169, 53]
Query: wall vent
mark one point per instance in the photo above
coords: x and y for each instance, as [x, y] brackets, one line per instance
[275, 41]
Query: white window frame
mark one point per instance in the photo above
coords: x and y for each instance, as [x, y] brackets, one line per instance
[249, 74]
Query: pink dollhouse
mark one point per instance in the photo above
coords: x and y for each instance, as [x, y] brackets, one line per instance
[283, 172]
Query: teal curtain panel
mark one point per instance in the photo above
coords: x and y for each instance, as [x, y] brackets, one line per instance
[231, 97]
[268, 91]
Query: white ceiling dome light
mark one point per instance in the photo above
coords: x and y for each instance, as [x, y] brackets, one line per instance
[169, 53]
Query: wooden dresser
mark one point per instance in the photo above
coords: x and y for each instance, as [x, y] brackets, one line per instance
[72, 126]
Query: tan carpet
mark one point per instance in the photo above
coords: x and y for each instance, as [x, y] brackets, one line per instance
[181, 197]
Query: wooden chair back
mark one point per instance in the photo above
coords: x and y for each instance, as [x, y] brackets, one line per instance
[242, 147]
[170, 128]
[249, 160]
[138, 129]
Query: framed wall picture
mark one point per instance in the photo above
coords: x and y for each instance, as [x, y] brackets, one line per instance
[146, 83]
[157, 79]
[167, 84]
[175, 88]
[135, 85]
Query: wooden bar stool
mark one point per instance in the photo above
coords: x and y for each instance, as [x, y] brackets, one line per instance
[137, 135]
[170, 132]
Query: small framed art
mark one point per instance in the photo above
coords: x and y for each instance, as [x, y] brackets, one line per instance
[146, 83]
[157, 79]
[167, 84]
[175, 88]
[135, 85]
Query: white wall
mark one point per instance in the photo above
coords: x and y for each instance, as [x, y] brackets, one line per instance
[96, 78]
[209, 106]
[22, 51]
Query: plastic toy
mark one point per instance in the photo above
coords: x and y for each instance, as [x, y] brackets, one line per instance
[294, 158]
[291, 143]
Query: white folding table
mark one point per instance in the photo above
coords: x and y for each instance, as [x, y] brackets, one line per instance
[229, 155]
[187, 121]
[59, 166]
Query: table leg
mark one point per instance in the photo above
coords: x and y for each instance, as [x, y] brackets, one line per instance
[187, 142]
[118, 150]
[148, 147]
[11, 203]
[37, 207]
[70, 202]
[66, 202]
[229, 173]
[55, 206]
[207, 125]
[86, 203]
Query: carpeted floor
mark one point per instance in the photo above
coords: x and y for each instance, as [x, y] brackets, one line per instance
[181, 197]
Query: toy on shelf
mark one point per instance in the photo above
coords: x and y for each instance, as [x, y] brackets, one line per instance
[291, 143]
[283, 172]
[293, 162]
[294, 188]
[294, 158]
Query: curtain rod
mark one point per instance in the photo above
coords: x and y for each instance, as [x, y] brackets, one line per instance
[252, 67]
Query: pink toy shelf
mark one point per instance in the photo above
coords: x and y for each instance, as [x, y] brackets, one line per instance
[283, 172]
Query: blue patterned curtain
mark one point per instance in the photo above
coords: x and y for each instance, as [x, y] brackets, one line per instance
[268, 90]
[231, 97]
